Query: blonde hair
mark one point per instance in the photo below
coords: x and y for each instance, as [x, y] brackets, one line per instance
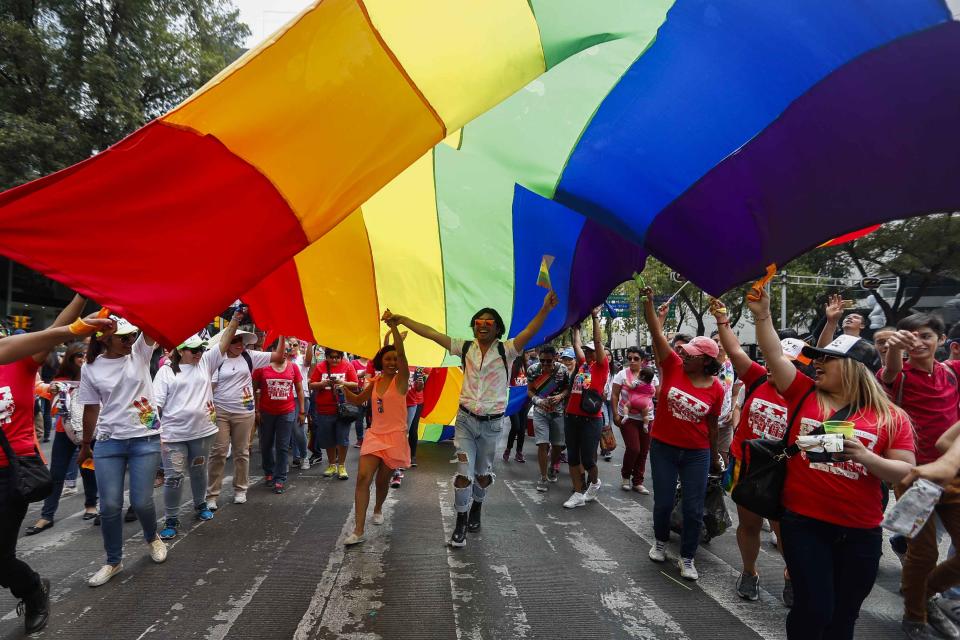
[860, 390]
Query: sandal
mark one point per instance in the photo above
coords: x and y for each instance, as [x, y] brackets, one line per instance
[89, 515]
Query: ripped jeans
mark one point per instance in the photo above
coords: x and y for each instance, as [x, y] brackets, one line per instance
[177, 458]
[476, 442]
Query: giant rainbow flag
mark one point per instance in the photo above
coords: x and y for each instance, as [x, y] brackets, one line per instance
[424, 155]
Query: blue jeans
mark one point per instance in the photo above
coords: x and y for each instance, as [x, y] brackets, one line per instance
[691, 466]
[73, 470]
[177, 458]
[298, 440]
[360, 423]
[476, 442]
[332, 431]
[833, 569]
[275, 431]
[113, 459]
[62, 454]
[413, 428]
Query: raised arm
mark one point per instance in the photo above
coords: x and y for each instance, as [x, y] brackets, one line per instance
[403, 367]
[738, 357]
[599, 355]
[70, 313]
[897, 344]
[227, 336]
[279, 353]
[549, 304]
[577, 343]
[418, 328]
[834, 311]
[13, 348]
[781, 370]
[661, 348]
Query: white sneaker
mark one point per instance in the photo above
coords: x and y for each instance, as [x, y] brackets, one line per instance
[239, 497]
[68, 491]
[103, 576]
[304, 464]
[626, 485]
[377, 519]
[950, 607]
[658, 552]
[687, 570]
[642, 490]
[353, 539]
[592, 491]
[576, 500]
[212, 505]
[158, 550]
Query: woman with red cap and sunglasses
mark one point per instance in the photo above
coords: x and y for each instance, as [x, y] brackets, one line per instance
[831, 525]
[684, 436]
[385, 443]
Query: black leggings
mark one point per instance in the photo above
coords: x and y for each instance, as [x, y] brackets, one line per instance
[518, 428]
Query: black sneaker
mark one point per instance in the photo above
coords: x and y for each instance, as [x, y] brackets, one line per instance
[748, 587]
[916, 630]
[36, 608]
[131, 515]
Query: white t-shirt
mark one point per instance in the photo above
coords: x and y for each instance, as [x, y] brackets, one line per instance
[485, 379]
[124, 391]
[187, 398]
[233, 382]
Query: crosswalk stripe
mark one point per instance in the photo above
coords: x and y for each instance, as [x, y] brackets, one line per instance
[766, 617]
[638, 614]
[338, 606]
[463, 575]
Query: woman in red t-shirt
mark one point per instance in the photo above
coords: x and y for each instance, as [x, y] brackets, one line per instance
[831, 525]
[333, 432]
[684, 436]
[278, 390]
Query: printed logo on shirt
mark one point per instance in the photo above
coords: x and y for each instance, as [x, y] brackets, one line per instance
[849, 469]
[767, 419]
[278, 389]
[246, 398]
[581, 381]
[7, 405]
[146, 413]
[684, 406]
[211, 412]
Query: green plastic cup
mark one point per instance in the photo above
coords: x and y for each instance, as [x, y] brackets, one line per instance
[843, 427]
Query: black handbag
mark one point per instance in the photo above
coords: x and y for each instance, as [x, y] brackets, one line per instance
[763, 469]
[591, 401]
[30, 479]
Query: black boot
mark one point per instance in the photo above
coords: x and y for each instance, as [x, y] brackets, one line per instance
[474, 524]
[459, 537]
[36, 608]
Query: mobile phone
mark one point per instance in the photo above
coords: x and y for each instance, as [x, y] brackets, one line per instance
[848, 304]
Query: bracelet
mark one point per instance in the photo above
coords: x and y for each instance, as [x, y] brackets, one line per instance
[727, 323]
[759, 319]
[80, 328]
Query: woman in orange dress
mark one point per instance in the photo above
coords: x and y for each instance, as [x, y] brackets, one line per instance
[385, 446]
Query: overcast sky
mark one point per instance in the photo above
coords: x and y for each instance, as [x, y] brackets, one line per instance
[266, 16]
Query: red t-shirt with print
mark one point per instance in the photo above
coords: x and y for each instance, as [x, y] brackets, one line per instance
[931, 400]
[682, 409]
[277, 393]
[415, 397]
[325, 402]
[842, 493]
[17, 382]
[592, 376]
[765, 413]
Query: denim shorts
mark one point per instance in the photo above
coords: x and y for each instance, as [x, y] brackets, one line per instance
[332, 431]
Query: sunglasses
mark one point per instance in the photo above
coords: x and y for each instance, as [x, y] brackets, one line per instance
[196, 350]
[334, 356]
[825, 358]
[484, 322]
[379, 405]
[128, 338]
[634, 358]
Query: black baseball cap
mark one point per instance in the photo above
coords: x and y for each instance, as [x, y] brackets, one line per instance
[851, 347]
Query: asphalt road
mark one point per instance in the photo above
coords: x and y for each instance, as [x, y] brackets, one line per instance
[275, 568]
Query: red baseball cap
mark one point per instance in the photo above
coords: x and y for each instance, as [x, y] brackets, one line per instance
[701, 346]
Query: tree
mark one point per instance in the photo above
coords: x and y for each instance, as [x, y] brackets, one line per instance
[78, 75]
